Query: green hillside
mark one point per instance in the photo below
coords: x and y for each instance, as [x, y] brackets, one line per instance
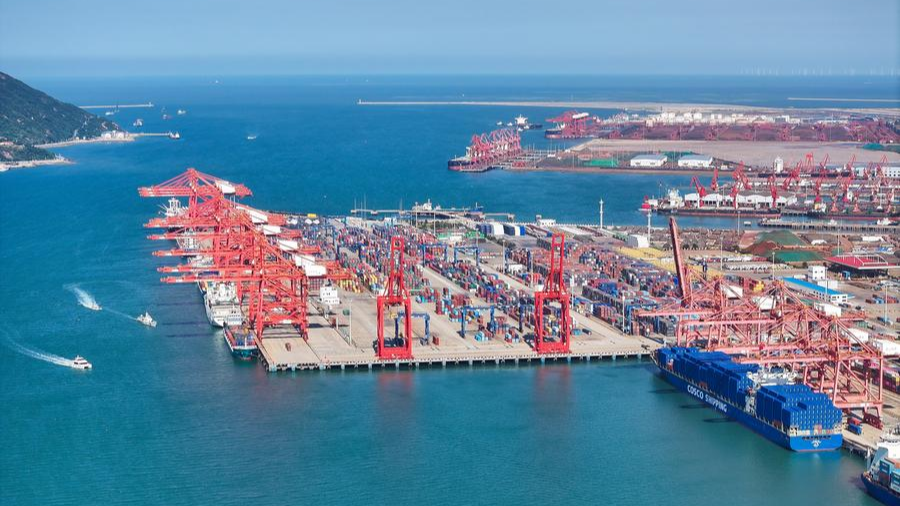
[29, 117]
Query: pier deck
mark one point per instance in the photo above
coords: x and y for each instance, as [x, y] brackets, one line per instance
[305, 356]
[282, 349]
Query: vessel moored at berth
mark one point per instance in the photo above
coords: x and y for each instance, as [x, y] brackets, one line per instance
[221, 302]
[882, 476]
[241, 341]
[771, 404]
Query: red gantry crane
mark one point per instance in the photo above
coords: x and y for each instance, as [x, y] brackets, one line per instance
[231, 242]
[395, 295]
[571, 125]
[773, 327]
[554, 291]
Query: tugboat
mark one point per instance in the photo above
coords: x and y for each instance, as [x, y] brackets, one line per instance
[147, 320]
[882, 478]
[81, 363]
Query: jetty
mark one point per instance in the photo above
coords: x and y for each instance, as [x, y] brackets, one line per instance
[147, 105]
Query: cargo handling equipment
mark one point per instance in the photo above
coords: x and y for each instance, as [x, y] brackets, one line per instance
[766, 324]
[246, 246]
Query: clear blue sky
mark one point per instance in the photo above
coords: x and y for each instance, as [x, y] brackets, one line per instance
[47, 37]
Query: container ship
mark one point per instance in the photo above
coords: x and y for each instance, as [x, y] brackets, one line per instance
[788, 414]
[241, 341]
[882, 477]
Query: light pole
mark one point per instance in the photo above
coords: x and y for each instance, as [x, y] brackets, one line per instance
[601, 214]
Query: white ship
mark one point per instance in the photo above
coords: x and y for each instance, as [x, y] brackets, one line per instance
[81, 363]
[173, 209]
[92, 305]
[187, 241]
[174, 135]
[251, 137]
[147, 320]
[138, 122]
[181, 112]
[222, 304]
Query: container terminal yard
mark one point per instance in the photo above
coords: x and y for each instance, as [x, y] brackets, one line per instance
[632, 142]
[429, 287]
[864, 187]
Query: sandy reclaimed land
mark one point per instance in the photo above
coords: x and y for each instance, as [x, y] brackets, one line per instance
[649, 106]
[28, 164]
[751, 153]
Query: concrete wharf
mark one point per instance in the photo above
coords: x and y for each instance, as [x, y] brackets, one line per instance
[280, 353]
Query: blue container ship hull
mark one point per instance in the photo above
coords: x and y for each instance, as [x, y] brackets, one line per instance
[880, 492]
[795, 443]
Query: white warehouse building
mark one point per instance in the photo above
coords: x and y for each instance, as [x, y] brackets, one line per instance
[889, 171]
[649, 160]
[695, 161]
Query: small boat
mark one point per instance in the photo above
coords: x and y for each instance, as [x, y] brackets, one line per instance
[499, 123]
[748, 223]
[110, 113]
[251, 137]
[81, 363]
[181, 112]
[147, 320]
[174, 135]
[92, 305]
[138, 122]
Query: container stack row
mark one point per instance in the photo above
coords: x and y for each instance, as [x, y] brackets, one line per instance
[797, 407]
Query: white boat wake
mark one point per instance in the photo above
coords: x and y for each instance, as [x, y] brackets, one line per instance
[87, 300]
[119, 313]
[84, 298]
[34, 353]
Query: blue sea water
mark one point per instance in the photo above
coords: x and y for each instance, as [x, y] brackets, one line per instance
[167, 417]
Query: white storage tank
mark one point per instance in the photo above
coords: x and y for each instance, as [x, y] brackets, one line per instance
[888, 348]
[637, 241]
[328, 295]
[764, 303]
[859, 335]
[827, 308]
[492, 229]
